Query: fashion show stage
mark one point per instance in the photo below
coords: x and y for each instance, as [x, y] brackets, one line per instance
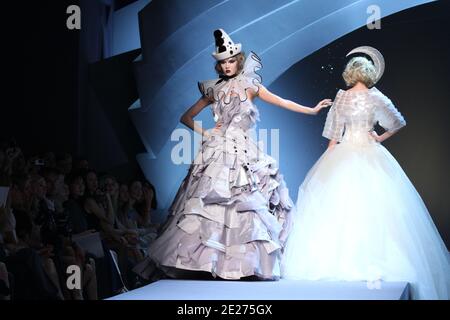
[267, 290]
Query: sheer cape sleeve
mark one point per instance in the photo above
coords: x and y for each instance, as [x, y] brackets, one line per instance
[334, 125]
[387, 114]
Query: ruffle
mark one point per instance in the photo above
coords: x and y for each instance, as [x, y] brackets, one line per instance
[221, 222]
[243, 115]
[220, 174]
[225, 187]
[207, 253]
[248, 79]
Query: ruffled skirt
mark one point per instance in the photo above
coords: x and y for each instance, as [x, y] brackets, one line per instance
[231, 215]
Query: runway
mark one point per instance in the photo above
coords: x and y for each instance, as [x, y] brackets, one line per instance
[267, 290]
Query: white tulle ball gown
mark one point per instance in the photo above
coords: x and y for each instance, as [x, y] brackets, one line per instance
[358, 217]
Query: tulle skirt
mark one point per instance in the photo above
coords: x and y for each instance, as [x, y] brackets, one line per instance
[359, 218]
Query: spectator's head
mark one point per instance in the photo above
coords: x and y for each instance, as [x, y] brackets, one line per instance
[147, 185]
[135, 190]
[20, 191]
[76, 185]
[61, 188]
[81, 164]
[91, 181]
[49, 159]
[22, 183]
[65, 192]
[52, 178]
[7, 148]
[124, 196]
[108, 183]
[64, 162]
[38, 186]
[20, 164]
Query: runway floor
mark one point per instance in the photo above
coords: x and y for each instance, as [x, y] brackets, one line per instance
[267, 290]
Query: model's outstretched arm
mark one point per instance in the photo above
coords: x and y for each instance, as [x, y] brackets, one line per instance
[271, 98]
[188, 117]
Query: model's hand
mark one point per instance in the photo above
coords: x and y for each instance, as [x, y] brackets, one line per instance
[205, 135]
[375, 135]
[217, 127]
[323, 104]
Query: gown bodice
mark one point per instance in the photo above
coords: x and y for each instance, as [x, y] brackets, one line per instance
[355, 113]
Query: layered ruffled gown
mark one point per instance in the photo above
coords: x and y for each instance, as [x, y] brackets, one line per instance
[231, 215]
[357, 216]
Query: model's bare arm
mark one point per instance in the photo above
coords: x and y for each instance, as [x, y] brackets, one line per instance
[188, 117]
[272, 98]
[384, 136]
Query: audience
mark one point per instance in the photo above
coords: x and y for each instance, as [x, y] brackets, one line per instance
[56, 210]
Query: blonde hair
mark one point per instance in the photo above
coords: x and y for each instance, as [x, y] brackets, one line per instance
[240, 59]
[359, 69]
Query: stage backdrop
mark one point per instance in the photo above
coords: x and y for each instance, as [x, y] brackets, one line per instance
[302, 46]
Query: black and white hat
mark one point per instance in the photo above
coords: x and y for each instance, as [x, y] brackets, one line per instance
[225, 47]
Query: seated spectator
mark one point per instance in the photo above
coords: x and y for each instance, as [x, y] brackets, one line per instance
[5, 288]
[49, 159]
[33, 268]
[135, 213]
[109, 281]
[80, 163]
[75, 204]
[51, 201]
[8, 156]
